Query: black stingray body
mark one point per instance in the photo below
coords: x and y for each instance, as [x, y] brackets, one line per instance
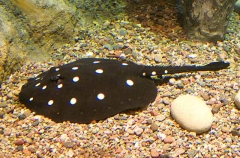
[94, 89]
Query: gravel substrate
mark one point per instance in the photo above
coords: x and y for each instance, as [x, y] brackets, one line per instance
[149, 132]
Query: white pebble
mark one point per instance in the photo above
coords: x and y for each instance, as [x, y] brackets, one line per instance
[237, 100]
[138, 131]
[192, 113]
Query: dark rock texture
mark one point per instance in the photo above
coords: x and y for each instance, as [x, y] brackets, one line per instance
[207, 20]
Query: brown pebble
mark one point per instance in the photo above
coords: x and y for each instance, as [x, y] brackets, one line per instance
[205, 96]
[168, 139]
[19, 142]
[26, 152]
[235, 132]
[215, 109]
[69, 144]
[119, 150]
[225, 129]
[154, 127]
[154, 153]
[2, 115]
[154, 113]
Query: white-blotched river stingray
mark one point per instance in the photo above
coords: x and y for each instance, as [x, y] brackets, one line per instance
[95, 89]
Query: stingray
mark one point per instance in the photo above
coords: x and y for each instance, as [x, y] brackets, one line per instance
[94, 89]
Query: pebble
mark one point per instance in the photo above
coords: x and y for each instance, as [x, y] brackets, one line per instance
[225, 129]
[3, 105]
[108, 46]
[20, 148]
[22, 116]
[89, 54]
[26, 152]
[192, 113]
[19, 142]
[127, 51]
[192, 153]
[166, 147]
[154, 113]
[1, 130]
[237, 100]
[160, 117]
[180, 85]
[215, 109]
[64, 137]
[158, 58]
[69, 144]
[172, 81]
[27, 113]
[123, 32]
[205, 96]
[28, 140]
[236, 132]
[166, 101]
[168, 139]
[178, 152]
[138, 131]
[154, 127]
[35, 123]
[2, 114]
[154, 153]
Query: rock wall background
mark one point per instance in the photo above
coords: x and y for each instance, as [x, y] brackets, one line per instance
[31, 29]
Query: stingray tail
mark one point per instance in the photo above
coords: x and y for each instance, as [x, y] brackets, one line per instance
[214, 66]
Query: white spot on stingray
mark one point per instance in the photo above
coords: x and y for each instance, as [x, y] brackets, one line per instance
[60, 86]
[75, 79]
[144, 74]
[166, 71]
[74, 68]
[37, 78]
[37, 84]
[154, 73]
[44, 87]
[31, 99]
[57, 69]
[96, 62]
[73, 101]
[50, 102]
[99, 71]
[129, 82]
[124, 64]
[100, 96]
